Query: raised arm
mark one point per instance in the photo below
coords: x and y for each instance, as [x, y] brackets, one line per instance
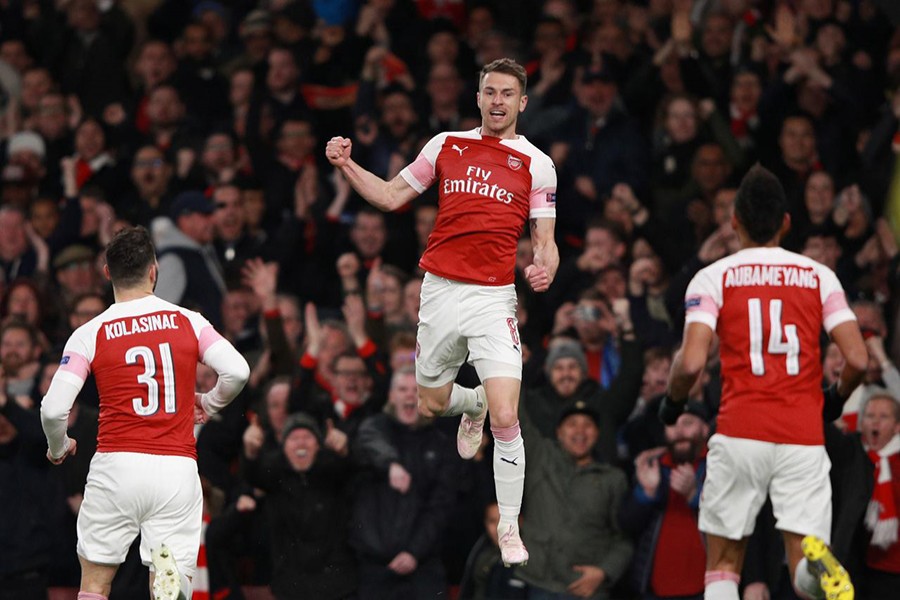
[383, 195]
[541, 272]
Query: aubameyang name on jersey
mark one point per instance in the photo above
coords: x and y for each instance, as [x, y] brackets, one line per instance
[140, 325]
[777, 275]
[476, 182]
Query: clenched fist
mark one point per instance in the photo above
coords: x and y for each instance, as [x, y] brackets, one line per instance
[337, 151]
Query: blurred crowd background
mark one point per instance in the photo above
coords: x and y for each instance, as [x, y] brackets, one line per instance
[205, 121]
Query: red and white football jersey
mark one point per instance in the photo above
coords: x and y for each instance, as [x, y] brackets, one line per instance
[488, 188]
[768, 307]
[143, 354]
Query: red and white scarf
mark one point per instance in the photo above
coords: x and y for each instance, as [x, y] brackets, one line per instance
[881, 516]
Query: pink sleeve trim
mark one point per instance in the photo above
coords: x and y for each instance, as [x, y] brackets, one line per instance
[76, 365]
[836, 301]
[208, 337]
[703, 304]
[544, 197]
[422, 171]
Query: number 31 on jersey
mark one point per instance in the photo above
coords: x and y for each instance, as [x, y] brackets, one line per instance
[144, 355]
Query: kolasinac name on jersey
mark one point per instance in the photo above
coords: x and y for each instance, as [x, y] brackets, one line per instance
[140, 325]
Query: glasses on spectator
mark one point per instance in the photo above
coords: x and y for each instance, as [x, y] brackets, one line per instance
[149, 162]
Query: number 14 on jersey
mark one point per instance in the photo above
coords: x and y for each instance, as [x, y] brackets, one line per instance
[783, 339]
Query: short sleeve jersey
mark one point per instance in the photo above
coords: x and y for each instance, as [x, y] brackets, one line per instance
[488, 188]
[143, 354]
[768, 307]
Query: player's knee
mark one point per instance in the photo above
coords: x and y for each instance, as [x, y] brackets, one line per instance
[504, 416]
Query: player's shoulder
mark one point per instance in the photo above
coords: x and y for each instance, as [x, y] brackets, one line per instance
[522, 144]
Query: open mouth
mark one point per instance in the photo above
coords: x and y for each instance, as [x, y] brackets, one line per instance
[301, 452]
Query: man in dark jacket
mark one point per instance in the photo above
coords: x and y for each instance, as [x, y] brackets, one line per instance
[662, 509]
[404, 501]
[570, 522]
[566, 369]
[308, 507]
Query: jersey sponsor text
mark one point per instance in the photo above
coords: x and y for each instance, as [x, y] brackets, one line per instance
[481, 188]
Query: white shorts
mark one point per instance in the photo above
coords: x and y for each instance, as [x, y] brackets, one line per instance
[741, 472]
[158, 496]
[459, 318]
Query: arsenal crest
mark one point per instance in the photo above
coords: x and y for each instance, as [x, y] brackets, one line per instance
[514, 162]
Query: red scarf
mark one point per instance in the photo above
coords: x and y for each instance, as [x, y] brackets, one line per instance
[84, 170]
[881, 516]
[742, 122]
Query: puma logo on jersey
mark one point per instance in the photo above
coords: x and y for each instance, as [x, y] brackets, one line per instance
[512, 462]
[460, 150]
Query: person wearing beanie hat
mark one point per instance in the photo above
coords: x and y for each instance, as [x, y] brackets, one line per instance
[565, 349]
[308, 503]
[571, 505]
[24, 168]
[568, 383]
[301, 421]
[26, 141]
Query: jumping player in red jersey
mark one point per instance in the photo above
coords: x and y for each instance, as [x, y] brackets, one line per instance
[143, 352]
[768, 307]
[490, 181]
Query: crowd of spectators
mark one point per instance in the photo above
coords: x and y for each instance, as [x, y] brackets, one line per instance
[205, 121]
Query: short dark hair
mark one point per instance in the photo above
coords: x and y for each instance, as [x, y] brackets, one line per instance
[612, 227]
[760, 204]
[507, 66]
[129, 255]
[15, 322]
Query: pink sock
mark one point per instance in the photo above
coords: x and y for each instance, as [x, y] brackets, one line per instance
[91, 596]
